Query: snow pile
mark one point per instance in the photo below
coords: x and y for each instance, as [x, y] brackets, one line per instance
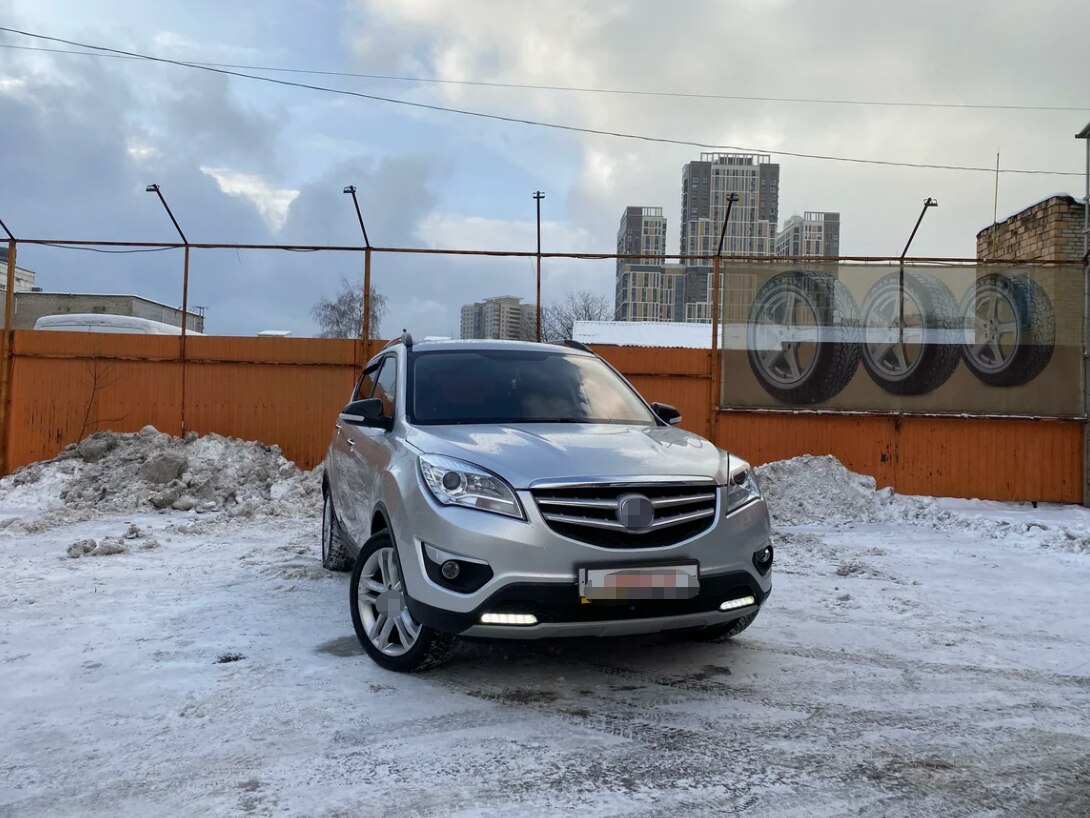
[121, 473]
[108, 546]
[820, 490]
[809, 490]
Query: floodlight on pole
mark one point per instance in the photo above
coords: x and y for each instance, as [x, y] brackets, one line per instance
[365, 323]
[351, 191]
[153, 188]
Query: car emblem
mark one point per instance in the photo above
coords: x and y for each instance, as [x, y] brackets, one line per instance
[635, 512]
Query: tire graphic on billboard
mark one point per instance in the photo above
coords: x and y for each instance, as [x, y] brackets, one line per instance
[801, 337]
[909, 340]
[1013, 329]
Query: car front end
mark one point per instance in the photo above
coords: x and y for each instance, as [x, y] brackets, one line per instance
[490, 555]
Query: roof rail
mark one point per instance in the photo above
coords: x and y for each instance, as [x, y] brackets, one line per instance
[578, 345]
[405, 338]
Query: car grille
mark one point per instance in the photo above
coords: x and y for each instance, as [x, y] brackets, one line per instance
[588, 513]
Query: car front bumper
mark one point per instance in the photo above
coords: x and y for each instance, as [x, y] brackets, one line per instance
[534, 566]
[560, 612]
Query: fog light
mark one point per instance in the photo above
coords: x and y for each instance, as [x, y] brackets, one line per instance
[508, 619]
[740, 602]
[451, 569]
[762, 560]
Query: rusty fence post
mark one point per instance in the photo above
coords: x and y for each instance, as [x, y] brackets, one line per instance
[9, 358]
[715, 363]
[366, 304]
[185, 321]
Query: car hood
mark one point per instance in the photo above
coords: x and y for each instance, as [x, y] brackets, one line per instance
[528, 452]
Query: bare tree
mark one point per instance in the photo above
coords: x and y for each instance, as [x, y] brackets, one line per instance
[559, 317]
[342, 315]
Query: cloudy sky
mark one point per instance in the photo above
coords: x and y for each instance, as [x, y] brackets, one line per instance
[246, 161]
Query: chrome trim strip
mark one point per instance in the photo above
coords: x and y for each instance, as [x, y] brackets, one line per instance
[624, 482]
[613, 525]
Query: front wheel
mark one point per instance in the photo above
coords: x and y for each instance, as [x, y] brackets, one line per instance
[334, 551]
[385, 627]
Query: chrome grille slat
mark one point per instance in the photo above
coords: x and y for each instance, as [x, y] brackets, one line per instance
[577, 503]
[588, 512]
[678, 519]
[668, 502]
[588, 521]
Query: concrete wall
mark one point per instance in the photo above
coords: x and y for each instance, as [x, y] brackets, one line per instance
[1047, 231]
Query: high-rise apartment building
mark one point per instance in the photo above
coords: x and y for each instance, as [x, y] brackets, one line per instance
[642, 233]
[812, 234]
[502, 318]
[706, 187]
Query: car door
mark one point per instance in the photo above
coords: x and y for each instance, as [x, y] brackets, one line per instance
[344, 480]
[372, 451]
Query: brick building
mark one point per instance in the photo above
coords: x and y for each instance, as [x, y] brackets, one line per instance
[1050, 230]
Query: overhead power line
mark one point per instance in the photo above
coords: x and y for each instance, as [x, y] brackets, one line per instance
[523, 86]
[530, 122]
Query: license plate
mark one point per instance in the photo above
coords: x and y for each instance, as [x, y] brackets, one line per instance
[632, 582]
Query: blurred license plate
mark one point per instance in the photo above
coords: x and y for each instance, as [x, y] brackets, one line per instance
[638, 582]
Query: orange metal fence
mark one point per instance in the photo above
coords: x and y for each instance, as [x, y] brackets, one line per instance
[285, 391]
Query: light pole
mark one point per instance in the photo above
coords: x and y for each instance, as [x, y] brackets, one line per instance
[366, 328]
[153, 188]
[928, 202]
[716, 283]
[1084, 134]
[538, 196]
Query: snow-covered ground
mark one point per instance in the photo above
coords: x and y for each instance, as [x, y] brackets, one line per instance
[917, 657]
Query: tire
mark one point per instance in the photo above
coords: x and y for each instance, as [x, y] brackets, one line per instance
[921, 354]
[803, 371]
[722, 633]
[334, 549]
[404, 644]
[1001, 306]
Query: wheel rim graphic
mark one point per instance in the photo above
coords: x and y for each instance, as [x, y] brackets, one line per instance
[781, 355]
[892, 347]
[993, 316]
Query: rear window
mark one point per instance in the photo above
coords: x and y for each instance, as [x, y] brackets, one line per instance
[515, 386]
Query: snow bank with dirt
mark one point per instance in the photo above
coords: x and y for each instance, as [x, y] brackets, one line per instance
[115, 473]
[820, 491]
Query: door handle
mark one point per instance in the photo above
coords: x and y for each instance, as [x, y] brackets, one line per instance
[337, 426]
[351, 441]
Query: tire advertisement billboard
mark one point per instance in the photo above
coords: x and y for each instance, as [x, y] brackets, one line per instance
[972, 338]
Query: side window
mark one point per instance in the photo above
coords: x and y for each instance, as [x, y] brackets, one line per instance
[386, 386]
[366, 383]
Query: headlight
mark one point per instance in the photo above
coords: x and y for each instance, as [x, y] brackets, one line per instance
[457, 483]
[740, 481]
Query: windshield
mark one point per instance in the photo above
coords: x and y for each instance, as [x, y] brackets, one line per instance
[519, 386]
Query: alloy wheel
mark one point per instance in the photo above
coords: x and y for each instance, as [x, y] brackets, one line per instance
[381, 600]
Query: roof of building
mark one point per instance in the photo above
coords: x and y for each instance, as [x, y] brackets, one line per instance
[1066, 197]
[54, 294]
[644, 333]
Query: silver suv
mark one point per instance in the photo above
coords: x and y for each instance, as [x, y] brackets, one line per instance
[493, 489]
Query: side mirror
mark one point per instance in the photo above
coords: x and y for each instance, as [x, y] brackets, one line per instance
[667, 413]
[367, 413]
